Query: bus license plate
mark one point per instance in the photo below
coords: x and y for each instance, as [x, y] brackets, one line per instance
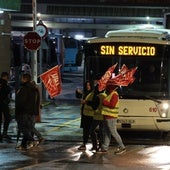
[129, 121]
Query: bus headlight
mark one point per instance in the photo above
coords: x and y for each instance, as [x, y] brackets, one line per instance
[163, 109]
[164, 115]
[165, 106]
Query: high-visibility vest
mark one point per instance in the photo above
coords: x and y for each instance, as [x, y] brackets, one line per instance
[98, 113]
[111, 111]
[88, 110]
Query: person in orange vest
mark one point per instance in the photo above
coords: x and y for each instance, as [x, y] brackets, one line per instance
[110, 111]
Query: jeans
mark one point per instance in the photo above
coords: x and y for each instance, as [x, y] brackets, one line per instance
[4, 111]
[35, 131]
[86, 122]
[94, 135]
[25, 125]
[109, 129]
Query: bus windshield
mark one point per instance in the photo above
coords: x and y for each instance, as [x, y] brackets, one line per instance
[151, 79]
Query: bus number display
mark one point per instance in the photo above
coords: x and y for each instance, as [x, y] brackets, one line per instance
[128, 50]
[153, 109]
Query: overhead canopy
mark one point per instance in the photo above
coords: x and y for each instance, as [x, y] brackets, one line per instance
[10, 5]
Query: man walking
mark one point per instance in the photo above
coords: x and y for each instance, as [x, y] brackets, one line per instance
[25, 108]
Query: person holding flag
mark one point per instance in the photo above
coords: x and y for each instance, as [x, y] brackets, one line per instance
[110, 111]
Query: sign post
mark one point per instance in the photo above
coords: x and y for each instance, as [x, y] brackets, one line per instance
[34, 52]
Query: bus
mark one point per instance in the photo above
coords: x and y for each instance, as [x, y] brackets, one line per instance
[145, 104]
[73, 54]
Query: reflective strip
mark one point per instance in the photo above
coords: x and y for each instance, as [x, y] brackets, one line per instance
[98, 113]
[111, 111]
[88, 111]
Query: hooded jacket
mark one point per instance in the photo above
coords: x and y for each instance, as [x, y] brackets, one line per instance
[27, 100]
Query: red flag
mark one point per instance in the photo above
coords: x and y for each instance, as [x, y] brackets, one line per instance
[123, 69]
[103, 81]
[52, 81]
[129, 75]
[124, 78]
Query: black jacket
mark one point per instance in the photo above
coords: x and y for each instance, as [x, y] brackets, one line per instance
[27, 100]
[4, 92]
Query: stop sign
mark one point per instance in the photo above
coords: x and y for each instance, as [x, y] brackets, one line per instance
[32, 41]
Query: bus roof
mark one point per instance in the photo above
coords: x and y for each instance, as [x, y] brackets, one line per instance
[156, 36]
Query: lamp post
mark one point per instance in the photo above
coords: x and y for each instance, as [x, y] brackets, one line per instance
[34, 52]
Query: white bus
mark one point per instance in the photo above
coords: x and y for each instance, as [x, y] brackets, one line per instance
[145, 104]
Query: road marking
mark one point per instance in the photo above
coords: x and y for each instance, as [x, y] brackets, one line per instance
[62, 125]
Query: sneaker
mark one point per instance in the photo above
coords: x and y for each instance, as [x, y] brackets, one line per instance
[101, 151]
[35, 143]
[82, 147]
[93, 149]
[120, 150]
[20, 147]
[30, 144]
[41, 140]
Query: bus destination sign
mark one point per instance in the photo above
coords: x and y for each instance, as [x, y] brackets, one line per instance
[128, 50]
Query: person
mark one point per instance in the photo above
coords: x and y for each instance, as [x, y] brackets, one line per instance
[26, 68]
[110, 110]
[86, 119]
[4, 105]
[97, 123]
[25, 108]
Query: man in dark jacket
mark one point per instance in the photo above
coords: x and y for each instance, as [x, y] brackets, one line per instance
[25, 109]
[4, 104]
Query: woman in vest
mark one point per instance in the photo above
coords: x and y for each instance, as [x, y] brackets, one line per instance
[97, 124]
[86, 114]
[110, 111]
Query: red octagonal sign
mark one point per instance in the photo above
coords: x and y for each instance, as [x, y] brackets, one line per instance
[32, 41]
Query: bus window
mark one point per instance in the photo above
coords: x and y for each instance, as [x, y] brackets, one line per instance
[150, 74]
[73, 54]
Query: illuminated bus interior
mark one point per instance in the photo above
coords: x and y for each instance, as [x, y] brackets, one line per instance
[152, 60]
